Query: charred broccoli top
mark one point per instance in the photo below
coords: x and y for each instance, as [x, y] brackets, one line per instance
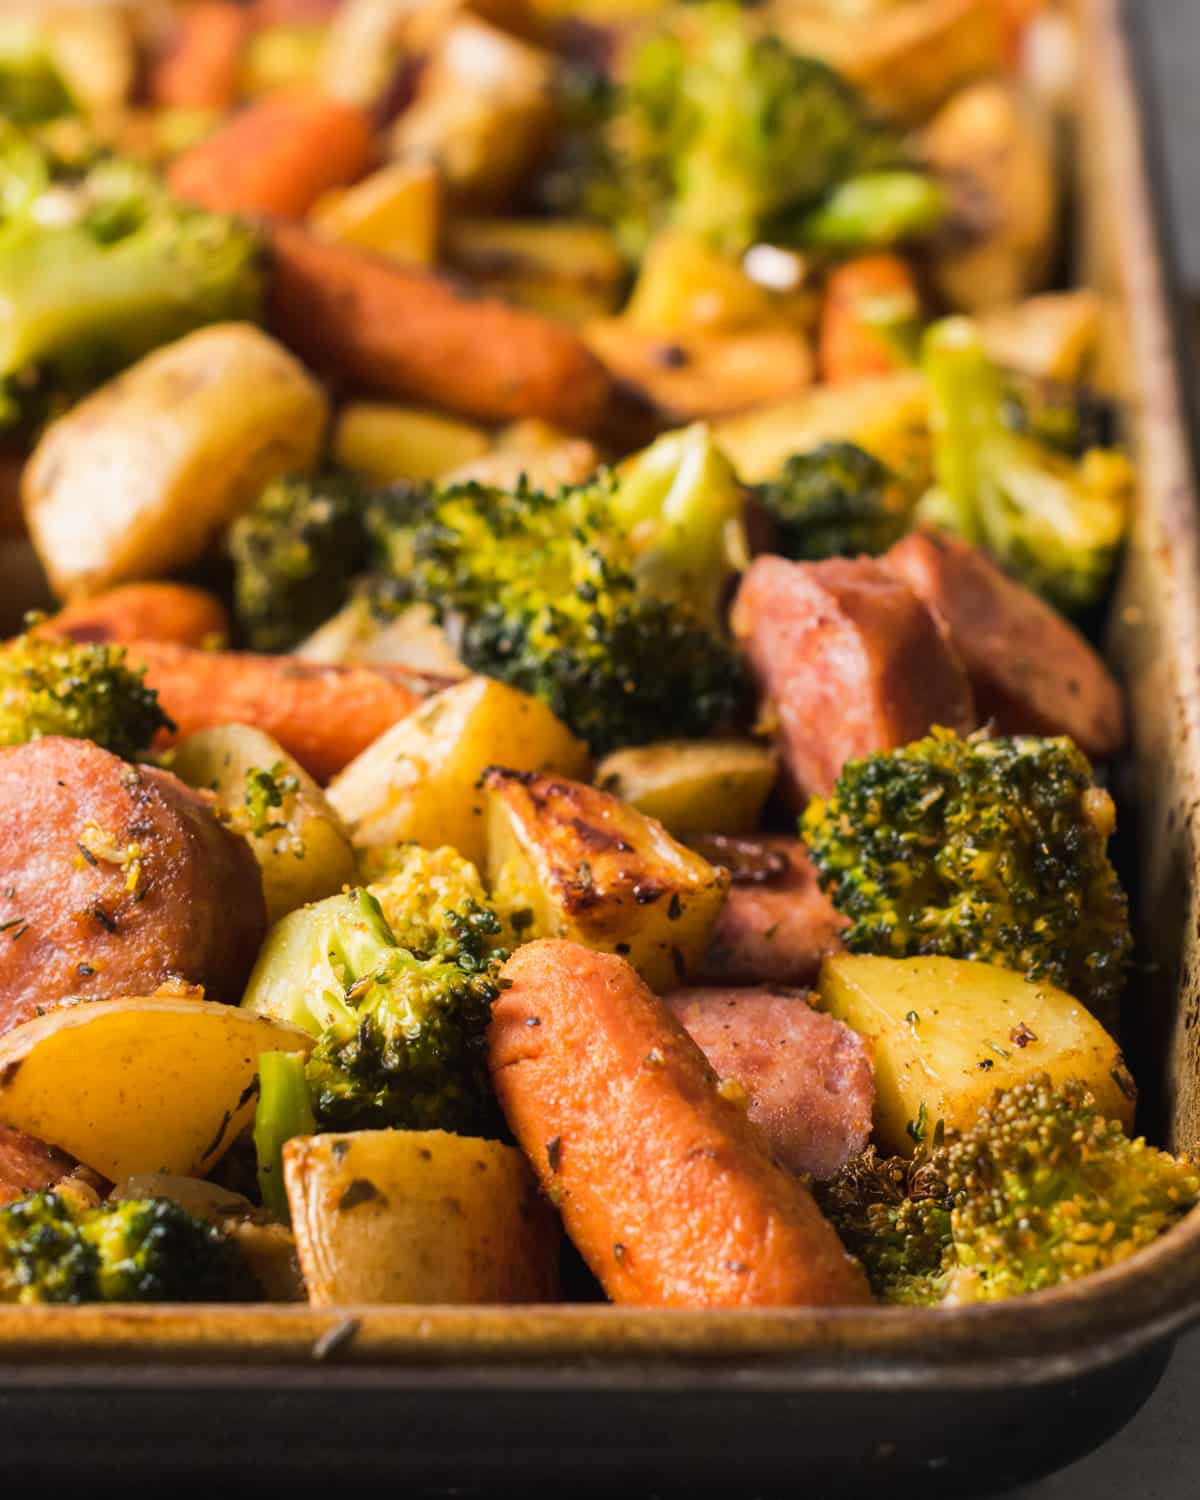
[82, 691]
[55, 1249]
[837, 500]
[1040, 1190]
[990, 849]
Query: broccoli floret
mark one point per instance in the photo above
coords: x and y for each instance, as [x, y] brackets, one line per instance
[836, 501]
[418, 888]
[875, 211]
[284, 1110]
[400, 1030]
[54, 1249]
[1054, 523]
[79, 690]
[1040, 1190]
[989, 849]
[99, 265]
[601, 600]
[720, 130]
[31, 87]
[295, 554]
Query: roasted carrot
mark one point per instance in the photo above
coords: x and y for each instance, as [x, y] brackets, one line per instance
[408, 333]
[666, 1188]
[198, 67]
[871, 308]
[144, 611]
[322, 715]
[277, 156]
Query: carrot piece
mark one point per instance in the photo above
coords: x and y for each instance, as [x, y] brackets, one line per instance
[667, 1189]
[277, 156]
[871, 306]
[322, 715]
[198, 69]
[408, 333]
[143, 611]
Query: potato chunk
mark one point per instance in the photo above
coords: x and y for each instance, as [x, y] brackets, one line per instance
[154, 1084]
[947, 1032]
[418, 782]
[137, 480]
[693, 786]
[569, 861]
[301, 847]
[418, 1216]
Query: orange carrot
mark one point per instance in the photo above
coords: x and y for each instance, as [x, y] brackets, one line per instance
[277, 156]
[668, 1191]
[198, 69]
[144, 611]
[408, 333]
[322, 715]
[871, 306]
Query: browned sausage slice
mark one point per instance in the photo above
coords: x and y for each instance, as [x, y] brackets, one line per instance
[849, 661]
[27, 1165]
[809, 1077]
[115, 879]
[667, 1189]
[777, 924]
[1032, 671]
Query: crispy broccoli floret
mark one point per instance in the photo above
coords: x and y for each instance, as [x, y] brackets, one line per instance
[418, 888]
[295, 553]
[54, 1249]
[601, 600]
[989, 849]
[1054, 523]
[83, 691]
[720, 130]
[99, 265]
[1040, 1190]
[836, 501]
[400, 1028]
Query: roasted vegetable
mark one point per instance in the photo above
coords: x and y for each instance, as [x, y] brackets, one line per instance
[1039, 1189]
[53, 1249]
[991, 849]
[32, 89]
[836, 500]
[82, 691]
[1054, 523]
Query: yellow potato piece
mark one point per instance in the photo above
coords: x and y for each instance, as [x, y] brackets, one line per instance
[395, 211]
[418, 1216]
[693, 786]
[387, 442]
[418, 783]
[569, 861]
[151, 1084]
[947, 1033]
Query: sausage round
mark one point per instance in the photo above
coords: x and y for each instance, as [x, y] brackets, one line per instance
[27, 1165]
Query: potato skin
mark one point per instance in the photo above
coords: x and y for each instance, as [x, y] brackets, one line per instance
[190, 909]
[667, 1190]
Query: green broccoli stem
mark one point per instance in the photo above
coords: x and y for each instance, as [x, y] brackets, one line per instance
[966, 399]
[284, 1110]
[875, 211]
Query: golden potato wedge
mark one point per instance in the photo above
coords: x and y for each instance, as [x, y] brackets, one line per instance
[418, 783]
[412, 639]
[299, 841]
[132, 1085]
[138, 479]
[386, 442]
[947, 1032]
[998, 164]
[565, 268]
[693, 786]
[1050, 337]
[685, 287]
[387, 1216]
[396, 211]
[569, 861]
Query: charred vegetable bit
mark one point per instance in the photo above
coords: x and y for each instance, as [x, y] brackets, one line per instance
[837, 500]
[990, 849]
[1040, 1190]
[82, 691]
[53, 1248]
[722, 131]
[1055, 523]
[99, 265]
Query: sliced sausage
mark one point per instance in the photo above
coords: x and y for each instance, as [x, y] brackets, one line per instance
[777, 924]
[668, 1191]
[809, 1077]
[115, 879]
[1032, 671]
[27, 1165]
[849, 662]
